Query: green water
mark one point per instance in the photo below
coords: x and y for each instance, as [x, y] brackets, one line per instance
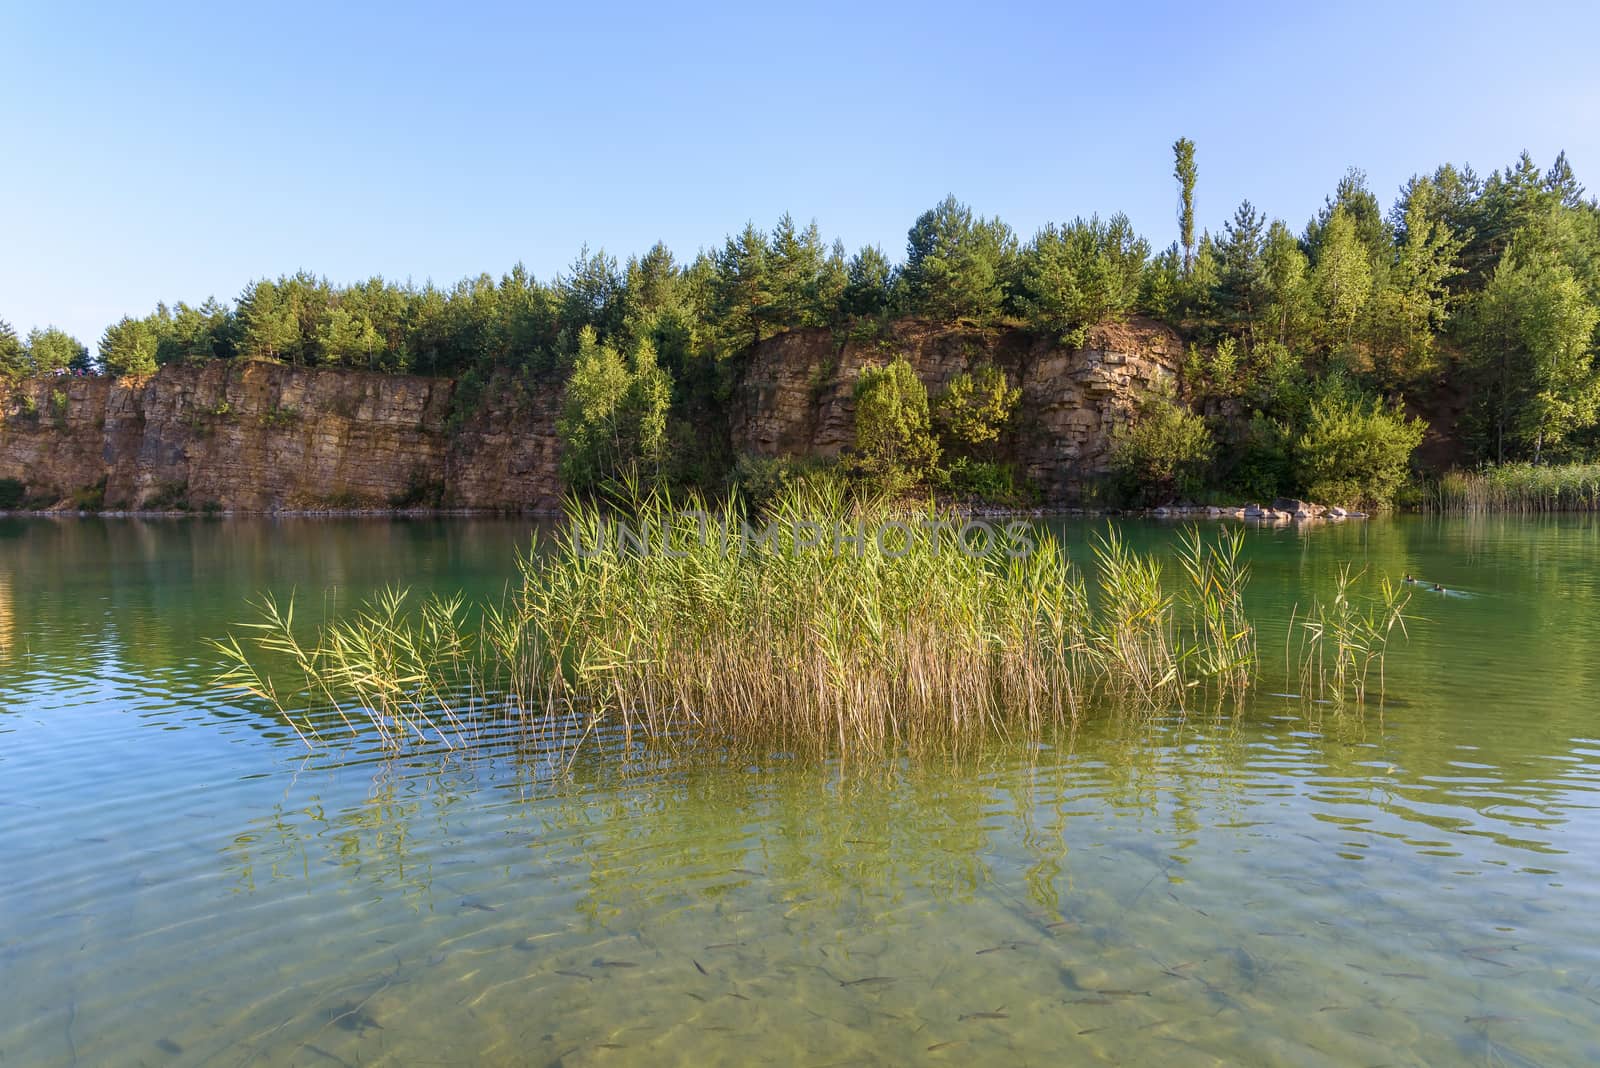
[182, 882]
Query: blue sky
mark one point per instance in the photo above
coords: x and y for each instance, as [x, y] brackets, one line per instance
[178, 151]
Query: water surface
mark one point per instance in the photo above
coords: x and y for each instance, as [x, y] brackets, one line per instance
[181, 881]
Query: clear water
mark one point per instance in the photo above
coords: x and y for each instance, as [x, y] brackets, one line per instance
[182, 882]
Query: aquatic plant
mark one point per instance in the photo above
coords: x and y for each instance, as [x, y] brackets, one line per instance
[1343, 638]
[827, 619]
[1519, 488]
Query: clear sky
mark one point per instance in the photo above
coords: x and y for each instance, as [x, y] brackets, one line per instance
[176, 152]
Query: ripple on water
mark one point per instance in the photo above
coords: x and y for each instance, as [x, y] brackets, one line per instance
[185, 884]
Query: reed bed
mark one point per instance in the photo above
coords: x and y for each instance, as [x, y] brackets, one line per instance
[830, 621]
[1519, 488]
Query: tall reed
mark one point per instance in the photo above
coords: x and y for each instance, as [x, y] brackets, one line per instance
[1343, 639]
[1519, 488]
[828, 620]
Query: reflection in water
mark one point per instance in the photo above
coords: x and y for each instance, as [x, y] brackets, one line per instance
[185, 884]
[8, 621]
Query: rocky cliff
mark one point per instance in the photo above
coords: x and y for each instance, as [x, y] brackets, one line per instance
[795, 394]
[258, 436]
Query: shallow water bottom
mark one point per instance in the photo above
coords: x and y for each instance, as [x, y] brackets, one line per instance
[182, 883]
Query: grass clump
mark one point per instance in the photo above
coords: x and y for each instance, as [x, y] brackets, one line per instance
[1343, 639]
[825, 620]
[1520, 488]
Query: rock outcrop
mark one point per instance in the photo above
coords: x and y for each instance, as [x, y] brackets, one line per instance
[795, 394]
[263, 437]
[258, 436]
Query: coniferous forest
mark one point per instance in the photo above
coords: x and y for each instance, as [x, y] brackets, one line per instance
[1317, 352]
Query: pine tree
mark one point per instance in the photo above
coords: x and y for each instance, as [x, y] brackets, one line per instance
[955, 262]
[14, 359]
[1241, 286]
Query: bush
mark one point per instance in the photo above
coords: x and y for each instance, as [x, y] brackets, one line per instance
[894, 442]
[90, 498]
[984, 480]
[12, 494]
[974, 408]
[760, 480]
[1165, 453]
[1354, 451]
[1263, 466]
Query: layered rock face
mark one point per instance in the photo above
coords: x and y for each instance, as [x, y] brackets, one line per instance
[257, 436]
[795, 396]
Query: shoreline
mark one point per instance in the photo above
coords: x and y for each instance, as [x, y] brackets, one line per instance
[1249, 513]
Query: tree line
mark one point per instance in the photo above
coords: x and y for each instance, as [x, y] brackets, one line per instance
[1476, 293]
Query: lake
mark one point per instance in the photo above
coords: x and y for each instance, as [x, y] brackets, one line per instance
[182, 881]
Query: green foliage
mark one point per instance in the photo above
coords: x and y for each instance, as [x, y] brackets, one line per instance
[1343, 639]
[1163, 454]
[766, 635]
[12, 494]
[955, 264]
[1520, 487]
[15, 360]
[761, 480]
[975, 408]
[90, 498]
[1535, 347]
[614, 422]
[280, 418]
[1262, 461]
[1484, 288]
[51, 350]
[894, 440]
[987, 481]
[1072, 277]
[170, 496]
[869, 283]
[1183, 169]
[58, 407]
[1342, 278]
[129, 347]
[1242, 292]
[1354, 451]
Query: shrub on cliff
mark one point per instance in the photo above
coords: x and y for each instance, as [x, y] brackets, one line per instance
[894, 440]
[1164, 454]
[1354, 451]
[974, 408]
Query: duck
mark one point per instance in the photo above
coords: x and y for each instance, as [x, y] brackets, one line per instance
[1410, 580]
[1439, 589]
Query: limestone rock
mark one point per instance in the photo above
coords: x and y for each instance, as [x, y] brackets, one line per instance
[795, 394]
